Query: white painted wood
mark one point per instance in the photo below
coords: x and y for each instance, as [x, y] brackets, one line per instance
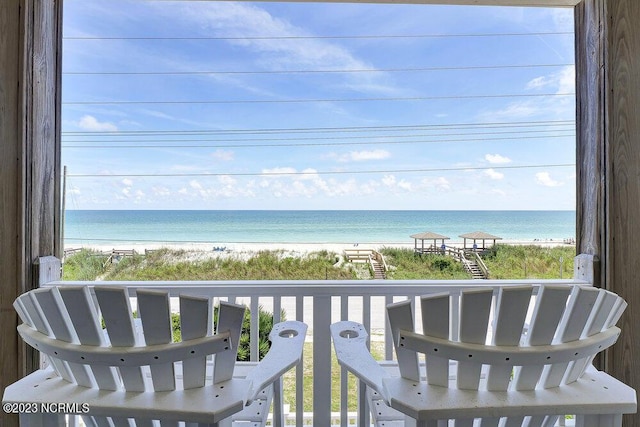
[579, 311]
[84, 318]
[155, 314]
[554, 337]
[230, 318]
[349, 341]
[287, 339]
[52, 307]
[194, 319]
[550, 305]
[475, 306]
[212, 404]
[31, 308]
[435, 322]
[512, 306]
[400, 317]
[322, 359]
[117, 314]
[604, 307]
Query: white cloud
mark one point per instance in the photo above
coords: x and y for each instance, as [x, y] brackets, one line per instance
[493, 174]
[440, 183]
[223, 155]
[361, 156]
[496, 159]
[128, 182]
[90, 123]
[561, 82]
[544, 178]
[279, 44]
[279, 171]
[195, 185]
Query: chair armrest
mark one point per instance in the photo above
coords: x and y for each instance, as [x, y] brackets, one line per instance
[287, 340]
[350, 342]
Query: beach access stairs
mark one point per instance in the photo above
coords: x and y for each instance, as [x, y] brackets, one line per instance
[375, 259]
[472, 263]
[471, 260]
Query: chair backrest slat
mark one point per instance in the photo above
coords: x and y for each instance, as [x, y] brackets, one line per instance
[116, 312]
[475, 307]
[31, 308]
[571, 328]
[155, 315]
[86, 323]
[607, 311]
[435, 322]
[509, 319]
[230, 317]
[400, 317]
[51, 303]
[550, 305]
[194, 320]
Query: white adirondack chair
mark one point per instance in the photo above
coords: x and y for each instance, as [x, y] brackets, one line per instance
[134, 373]
[505, 369]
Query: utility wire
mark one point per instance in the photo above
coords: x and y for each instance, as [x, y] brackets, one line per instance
[387, 128]
[305, 173]
[297, 101]
[363, 70]
[302, 138]
[365, 36]
[311, 144]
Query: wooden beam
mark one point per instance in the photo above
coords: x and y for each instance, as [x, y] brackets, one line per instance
[623, 184]
[519, 3]
[590, 59]
[11, 238]
[30, 33]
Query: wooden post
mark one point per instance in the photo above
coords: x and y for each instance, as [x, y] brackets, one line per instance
[30, 38]
[623, 187]
[608, 162]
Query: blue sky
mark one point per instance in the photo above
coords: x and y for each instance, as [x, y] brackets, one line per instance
[317, 106]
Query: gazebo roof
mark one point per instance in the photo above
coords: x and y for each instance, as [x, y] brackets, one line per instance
[480, 235]
[428, 235]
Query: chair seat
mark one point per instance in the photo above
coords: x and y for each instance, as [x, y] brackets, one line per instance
[584, 396]
[209, 404]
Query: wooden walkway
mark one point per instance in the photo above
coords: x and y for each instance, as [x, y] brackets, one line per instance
[371, 257]
[470, 260]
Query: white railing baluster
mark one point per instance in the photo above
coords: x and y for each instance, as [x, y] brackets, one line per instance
[344, 375]
[278, 415]
[321, 360]
[300, 369]
[254, 332]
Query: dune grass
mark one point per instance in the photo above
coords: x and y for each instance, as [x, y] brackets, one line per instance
[530, 262]
[168, 264]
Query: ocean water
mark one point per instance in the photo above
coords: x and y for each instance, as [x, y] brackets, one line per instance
[254, 226]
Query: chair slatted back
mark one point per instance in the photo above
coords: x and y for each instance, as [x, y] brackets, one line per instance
[145, 349]
[507, 340]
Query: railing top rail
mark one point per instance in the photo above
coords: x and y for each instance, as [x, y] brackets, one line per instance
[273, 288]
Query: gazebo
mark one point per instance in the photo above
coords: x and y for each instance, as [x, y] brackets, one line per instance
[478, 235]
[428, 235]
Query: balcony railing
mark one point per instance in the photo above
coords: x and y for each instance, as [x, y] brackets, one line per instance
[320, 303]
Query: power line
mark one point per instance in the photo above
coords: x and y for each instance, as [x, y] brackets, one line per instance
[311, 144]
[309, 173]
[387, 128]
[365, 36]
[363, 70]
[299, 101]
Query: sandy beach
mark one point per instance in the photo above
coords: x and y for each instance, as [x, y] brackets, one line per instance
[246, 250]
